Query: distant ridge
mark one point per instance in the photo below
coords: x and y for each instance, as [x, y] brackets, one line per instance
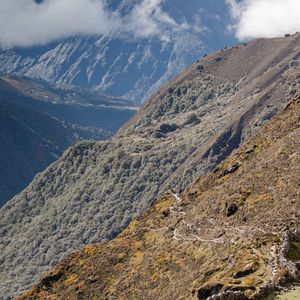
[126, 66]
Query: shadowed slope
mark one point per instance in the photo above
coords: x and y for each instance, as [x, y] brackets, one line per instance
[39, 123]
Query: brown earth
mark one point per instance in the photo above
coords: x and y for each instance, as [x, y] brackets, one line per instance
[234, 231]
[188, 127]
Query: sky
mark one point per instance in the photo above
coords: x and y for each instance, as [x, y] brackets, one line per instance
[264, 18]
[24, 23]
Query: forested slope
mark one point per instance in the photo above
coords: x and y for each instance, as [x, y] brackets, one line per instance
[183, 131]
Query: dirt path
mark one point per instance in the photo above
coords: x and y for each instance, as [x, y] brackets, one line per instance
[216, 233]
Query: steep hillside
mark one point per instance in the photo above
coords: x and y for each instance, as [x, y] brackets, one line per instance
[234, 232]
[122, 64]
[183, 131]
[31, 139]
[29, 142]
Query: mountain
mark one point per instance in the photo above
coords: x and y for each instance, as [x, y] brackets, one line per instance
[30, 141]
[120, 64]
[73, 105]
[232, 234]
[31, 138]
[187, 127]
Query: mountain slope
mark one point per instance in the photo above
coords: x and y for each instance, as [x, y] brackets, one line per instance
[235, 232]
[31, 139]
[123, 65]
[96, 189]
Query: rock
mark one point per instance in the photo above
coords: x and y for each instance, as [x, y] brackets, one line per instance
[230, 295]
[231, 209]
[165, 213]
[251, 149]
[246, 270]
[209, 290]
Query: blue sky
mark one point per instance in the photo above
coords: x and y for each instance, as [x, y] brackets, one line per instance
[25, 23]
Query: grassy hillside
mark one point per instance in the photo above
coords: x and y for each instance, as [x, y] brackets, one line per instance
[183, 131]
[234, 232]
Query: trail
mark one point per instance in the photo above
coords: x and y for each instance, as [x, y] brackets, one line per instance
[214, 230]
[177, 236]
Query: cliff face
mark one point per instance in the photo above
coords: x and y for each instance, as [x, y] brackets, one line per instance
[120, 65]
[234, 232]
[181, 132]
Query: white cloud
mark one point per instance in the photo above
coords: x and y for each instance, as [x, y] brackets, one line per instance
[25, 23]
[264, 18]
[198, 25]
[147, 19]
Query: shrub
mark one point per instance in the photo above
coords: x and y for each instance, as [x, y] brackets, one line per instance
[192, 118]
[158, 134]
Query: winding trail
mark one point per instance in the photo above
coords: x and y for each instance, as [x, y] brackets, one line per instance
[220, 231]
[179, 237]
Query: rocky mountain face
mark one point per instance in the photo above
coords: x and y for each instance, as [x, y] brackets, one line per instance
[232, 234]
[31, 137]
[125, 66]
[185, 129]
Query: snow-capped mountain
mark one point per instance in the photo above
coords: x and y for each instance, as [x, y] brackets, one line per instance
[131, 63]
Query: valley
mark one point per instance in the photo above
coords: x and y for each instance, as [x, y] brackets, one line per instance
[39, 122]
[203, 234]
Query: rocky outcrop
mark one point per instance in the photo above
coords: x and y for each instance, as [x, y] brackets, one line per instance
[209, 290]
[237, 295]
[288, 238]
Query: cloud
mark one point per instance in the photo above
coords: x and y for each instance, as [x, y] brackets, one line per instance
[25, 23]
[147, 19]
[264, 18]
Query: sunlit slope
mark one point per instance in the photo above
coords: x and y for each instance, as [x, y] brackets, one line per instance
[183, 131]
[234, 232]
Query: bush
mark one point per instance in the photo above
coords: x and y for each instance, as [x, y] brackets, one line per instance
[158, 134]
[192, 118]
[165, 128]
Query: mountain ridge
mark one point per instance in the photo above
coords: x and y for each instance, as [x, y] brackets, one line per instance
[213, 60]
[122, 64]
[96, 189]
[243, 245]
